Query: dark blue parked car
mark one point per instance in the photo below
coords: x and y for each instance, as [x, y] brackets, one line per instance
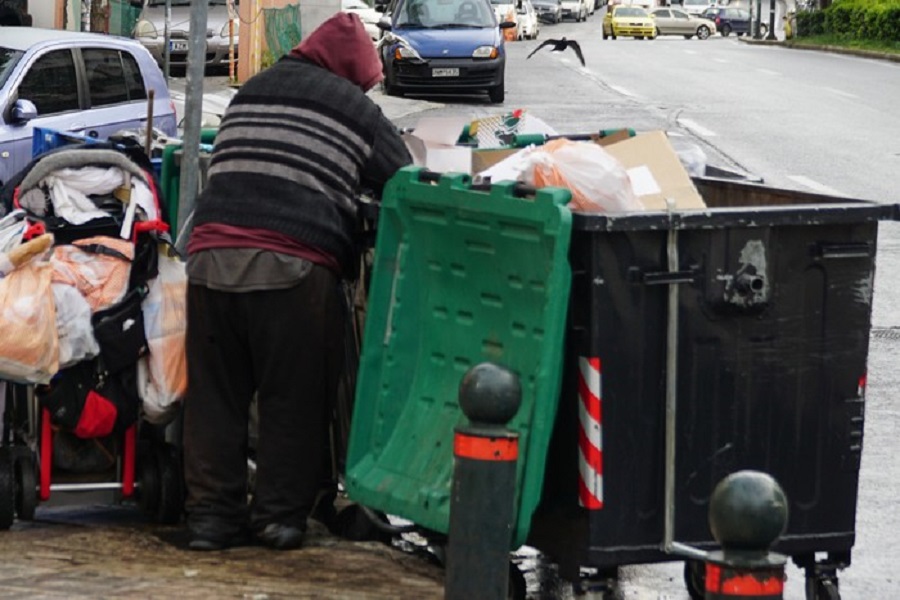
[730, 20]
[451, 46]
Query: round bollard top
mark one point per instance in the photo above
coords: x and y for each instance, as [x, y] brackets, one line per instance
[748, 511]
[489, 394]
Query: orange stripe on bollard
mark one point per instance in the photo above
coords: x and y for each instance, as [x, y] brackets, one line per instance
[485, 448]
[729, 583]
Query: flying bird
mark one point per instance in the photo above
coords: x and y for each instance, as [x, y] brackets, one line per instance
[559, 46]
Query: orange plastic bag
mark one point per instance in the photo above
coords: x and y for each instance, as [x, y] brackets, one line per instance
[597, 180]
[29, 341]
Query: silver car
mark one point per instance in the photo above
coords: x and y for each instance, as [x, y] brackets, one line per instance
[150, 31]
[85, 83]
[674, 21]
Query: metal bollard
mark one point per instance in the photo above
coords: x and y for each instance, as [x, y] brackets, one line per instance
[748, 512]
[483, 488]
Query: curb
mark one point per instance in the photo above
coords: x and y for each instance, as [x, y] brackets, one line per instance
[822, 48]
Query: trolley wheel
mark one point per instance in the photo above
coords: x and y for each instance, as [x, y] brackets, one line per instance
[148, 480]
[171, 485]
[7, 490]
[25, 473]
[695, 579]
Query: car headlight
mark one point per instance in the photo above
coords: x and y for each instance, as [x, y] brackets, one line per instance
[485, 52]
[145, 29]
[224, 33]
[402, 52]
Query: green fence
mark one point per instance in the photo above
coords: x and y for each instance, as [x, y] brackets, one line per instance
[122, 17]
[282, 29]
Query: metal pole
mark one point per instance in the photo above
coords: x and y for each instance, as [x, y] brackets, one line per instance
[771, 35]
[758, 35]
[167, 40]
[193, 112]
[669, 543]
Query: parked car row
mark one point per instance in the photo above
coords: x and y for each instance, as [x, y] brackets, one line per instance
[94, 85]
[631, 20]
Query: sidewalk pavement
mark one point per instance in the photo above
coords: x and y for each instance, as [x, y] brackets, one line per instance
[795, 45]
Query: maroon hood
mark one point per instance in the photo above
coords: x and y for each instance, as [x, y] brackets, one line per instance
[342, 46]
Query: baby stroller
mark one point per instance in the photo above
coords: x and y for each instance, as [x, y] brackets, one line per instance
[92, 326]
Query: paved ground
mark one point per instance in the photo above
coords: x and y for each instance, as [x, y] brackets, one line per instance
[104, 551]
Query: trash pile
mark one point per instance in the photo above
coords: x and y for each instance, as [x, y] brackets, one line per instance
[92, 295]
[614, 170]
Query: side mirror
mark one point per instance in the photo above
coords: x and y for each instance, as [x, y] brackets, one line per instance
[507, 25]
[384, 24]
[23, 111]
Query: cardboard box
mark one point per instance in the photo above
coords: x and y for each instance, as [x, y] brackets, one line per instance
[656, 172]
[432, 144]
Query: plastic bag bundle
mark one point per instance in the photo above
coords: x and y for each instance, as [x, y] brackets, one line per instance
[29, 352]
[163, 374]
[597, 180]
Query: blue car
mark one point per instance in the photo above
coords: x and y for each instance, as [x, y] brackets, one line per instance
[92, 84]
[444, 46]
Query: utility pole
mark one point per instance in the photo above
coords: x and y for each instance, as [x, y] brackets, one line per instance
[771, 35]
[193, 107]
[167, 39]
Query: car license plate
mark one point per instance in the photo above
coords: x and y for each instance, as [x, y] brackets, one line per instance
[445, 72]
[178, 46]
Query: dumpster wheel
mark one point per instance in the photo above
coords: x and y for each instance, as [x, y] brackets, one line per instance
[822, 587]
[695, 579]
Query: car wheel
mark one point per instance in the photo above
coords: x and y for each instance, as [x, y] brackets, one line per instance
[389, 88]
[605, 35]
[702, 32]
[763, 29]
[497, 93]
[687, 37]
[726, 30]
[657, 31]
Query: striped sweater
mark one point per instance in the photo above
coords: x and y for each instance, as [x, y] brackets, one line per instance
[296, 146]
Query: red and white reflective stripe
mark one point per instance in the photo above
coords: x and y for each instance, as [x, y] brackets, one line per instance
[590, 435]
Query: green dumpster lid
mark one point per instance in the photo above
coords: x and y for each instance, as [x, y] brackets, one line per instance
[461, 276]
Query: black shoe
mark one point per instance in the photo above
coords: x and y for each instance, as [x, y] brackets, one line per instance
[281, 537]
[207, 539]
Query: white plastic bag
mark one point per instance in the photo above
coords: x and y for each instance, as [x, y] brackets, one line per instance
[73, 322]
[162, 375]
[597, 180]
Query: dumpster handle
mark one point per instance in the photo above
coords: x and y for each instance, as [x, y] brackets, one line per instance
[669, 544]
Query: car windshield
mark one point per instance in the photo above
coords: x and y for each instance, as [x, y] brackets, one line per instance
[630, 11]
[443, 14]
[8, 60]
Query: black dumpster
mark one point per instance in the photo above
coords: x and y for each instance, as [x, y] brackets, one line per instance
[768, 335]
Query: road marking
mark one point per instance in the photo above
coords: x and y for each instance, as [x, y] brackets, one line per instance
[721, 60]
[621, 90]
[842, 93]
[696, 128]
[768, 72]
[814, 185]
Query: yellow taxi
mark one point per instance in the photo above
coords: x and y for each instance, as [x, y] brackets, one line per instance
[628, 21]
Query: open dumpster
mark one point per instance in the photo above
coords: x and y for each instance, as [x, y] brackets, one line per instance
[771, 315]
[697, 343]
